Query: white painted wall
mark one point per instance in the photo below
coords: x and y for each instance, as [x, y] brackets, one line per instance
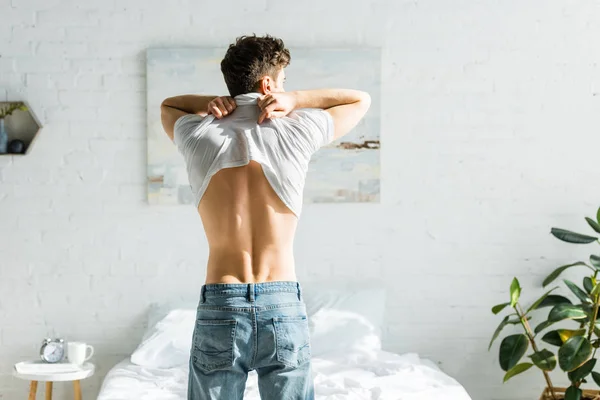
[490, 137]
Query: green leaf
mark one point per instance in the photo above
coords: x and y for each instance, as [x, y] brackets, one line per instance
[560, 336]
[498, 330]
[573, 393]
[515, 292]
[512, 348]
[559, 271]
[588, 285]
[596, 378]
[572, 237]
[566, 311]
[583, 371]
[595, 260]
[596, 290]
[595, 225]
[497, 308]
[539, 301]
[553, 300]
[576, 351]
[544, 360]
[581, 295]
[553, 338]
[516, 370]
[542, 326]
[566, 334]
[598, 216]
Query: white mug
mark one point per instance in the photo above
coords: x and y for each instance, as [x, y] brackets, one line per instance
[76, 352]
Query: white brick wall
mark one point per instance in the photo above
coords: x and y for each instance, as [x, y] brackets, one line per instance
[490, 130]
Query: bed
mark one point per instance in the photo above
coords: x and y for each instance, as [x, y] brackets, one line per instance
[347, 358]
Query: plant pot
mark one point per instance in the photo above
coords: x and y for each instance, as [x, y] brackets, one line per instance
[560, 394]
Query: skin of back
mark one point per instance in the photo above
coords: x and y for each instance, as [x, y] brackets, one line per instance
[250, 231]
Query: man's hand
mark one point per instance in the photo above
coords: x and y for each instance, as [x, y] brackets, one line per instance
[221, 106]
[276, 105]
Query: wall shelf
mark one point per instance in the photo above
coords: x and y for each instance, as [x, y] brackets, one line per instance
[21, 125]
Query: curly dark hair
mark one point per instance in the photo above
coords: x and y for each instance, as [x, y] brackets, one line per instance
[249, 59]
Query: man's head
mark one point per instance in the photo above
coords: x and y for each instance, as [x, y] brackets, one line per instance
[255, 64]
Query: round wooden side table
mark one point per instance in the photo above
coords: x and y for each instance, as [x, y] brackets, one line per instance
[87, 370]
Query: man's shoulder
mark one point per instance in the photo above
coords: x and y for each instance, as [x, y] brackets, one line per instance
[189, 124]
[308, 114]
[187, 119]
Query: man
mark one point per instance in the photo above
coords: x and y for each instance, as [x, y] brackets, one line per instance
[247, 155]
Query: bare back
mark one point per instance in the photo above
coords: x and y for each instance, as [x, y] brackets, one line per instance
[250, 231]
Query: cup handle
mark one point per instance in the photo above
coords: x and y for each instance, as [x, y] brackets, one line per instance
[88, 347]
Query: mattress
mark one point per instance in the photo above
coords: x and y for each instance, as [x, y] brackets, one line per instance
[374, 375]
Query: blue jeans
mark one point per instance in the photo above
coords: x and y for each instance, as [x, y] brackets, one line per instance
[254, 326]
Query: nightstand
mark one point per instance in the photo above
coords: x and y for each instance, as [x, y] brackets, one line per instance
[86, 371]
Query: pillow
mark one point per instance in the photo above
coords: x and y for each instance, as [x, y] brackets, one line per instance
[344, 316]
[167, 343]
[157, 311]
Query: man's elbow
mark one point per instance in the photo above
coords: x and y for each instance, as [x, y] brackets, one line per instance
[365, 98]
[164, 112]
[364, 102]
[165, 103]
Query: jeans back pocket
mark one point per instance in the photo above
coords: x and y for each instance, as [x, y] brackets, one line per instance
[292, 340]
[214, 342]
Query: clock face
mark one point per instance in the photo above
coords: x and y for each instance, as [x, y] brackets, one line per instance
[53, 352]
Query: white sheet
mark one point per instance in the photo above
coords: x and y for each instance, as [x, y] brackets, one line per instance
[376, 375]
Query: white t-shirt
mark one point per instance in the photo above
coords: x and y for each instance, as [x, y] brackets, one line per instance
[283, 146]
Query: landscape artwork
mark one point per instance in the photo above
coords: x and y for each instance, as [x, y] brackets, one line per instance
[347, 170]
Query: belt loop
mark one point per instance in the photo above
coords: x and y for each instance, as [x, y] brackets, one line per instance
[203, 294]
[251, 292]
[299, 291]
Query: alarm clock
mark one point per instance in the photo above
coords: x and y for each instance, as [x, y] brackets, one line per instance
[52, 350]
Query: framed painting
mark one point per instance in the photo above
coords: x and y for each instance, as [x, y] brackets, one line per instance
[347, 170]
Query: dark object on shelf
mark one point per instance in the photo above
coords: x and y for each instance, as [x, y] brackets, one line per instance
[16, 146]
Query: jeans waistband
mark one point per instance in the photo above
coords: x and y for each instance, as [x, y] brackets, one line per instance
[249, 290]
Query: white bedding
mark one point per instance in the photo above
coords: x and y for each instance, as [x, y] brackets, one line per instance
[348, 362]
[372, 375]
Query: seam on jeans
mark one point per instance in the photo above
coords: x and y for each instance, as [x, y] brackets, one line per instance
[249, 309]
[244, 292]
[224, 308]
[242, 286]
[216, 322]
[190, 377]
[255, 334]
[290, 319]
[285, 305]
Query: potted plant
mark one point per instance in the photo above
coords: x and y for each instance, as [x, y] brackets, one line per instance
[575, 348]
[6, 110]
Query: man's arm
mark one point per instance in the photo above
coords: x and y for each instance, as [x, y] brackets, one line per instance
[346, 106]
[173, 108]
